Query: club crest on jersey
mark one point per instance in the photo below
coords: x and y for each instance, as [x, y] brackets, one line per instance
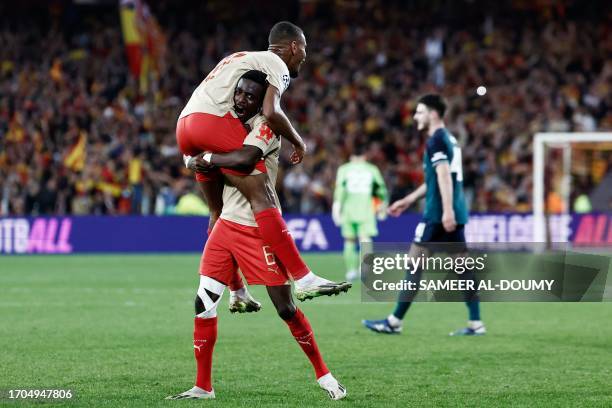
[286, 81]
[265, 133]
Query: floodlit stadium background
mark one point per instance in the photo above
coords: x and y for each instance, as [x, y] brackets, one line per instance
[87, 133]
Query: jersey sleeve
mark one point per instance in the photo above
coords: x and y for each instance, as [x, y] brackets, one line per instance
[275, 69]
[262, 137]
[437, 149]
[380, 189]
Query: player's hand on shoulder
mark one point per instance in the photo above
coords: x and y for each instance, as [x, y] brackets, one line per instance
[448, 221]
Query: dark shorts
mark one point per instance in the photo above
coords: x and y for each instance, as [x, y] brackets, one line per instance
[439, 239]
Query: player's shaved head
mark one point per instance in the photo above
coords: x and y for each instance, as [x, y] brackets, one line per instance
[288, 42]
[283, 32]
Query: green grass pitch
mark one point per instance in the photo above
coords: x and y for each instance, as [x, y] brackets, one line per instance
[117, 330]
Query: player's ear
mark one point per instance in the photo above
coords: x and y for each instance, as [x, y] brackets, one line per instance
[294, 47]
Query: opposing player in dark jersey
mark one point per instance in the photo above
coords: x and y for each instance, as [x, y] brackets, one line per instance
[445, 212]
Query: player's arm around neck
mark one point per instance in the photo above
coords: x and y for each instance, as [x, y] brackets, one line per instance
[279, 123]
[445, 183]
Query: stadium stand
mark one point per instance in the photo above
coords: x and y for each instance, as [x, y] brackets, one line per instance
[78, 137]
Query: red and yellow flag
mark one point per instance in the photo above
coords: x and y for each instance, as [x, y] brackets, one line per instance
[132, 37]
[145, 42]
[75, 159]
[156, 43]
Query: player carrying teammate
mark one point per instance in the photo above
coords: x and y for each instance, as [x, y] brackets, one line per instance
[235, 243]
[358, 185]
[208, 123]
[445, 210]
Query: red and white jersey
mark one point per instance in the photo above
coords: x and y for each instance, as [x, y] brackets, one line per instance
[236, 208]
[215, 95]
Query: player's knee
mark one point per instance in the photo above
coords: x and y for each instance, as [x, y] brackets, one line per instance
[286, 311]
[208, 297]
[199, 305]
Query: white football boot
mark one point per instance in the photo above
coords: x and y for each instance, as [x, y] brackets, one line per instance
[241, 301]
[334, 389]
[194, 393]
[312, 286]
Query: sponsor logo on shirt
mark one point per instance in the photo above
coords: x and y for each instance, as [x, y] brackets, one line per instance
[265, 134]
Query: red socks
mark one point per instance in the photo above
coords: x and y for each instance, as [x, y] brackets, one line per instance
[275, 233]
[301, 330]
[204, 338]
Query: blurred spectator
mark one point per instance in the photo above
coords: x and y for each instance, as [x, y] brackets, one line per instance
[47, 198]
[295, 183]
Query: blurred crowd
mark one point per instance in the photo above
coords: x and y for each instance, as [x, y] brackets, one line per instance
[77, 135]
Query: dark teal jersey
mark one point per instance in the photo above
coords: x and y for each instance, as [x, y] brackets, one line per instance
[442, 147]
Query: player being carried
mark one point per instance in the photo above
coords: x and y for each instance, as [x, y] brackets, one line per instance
[235, 242]
[358, 184]
[445, 212]
[208, 123]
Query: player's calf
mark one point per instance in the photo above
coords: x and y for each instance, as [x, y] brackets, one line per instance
[282, 300]
[204, 336]
[302, 332]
